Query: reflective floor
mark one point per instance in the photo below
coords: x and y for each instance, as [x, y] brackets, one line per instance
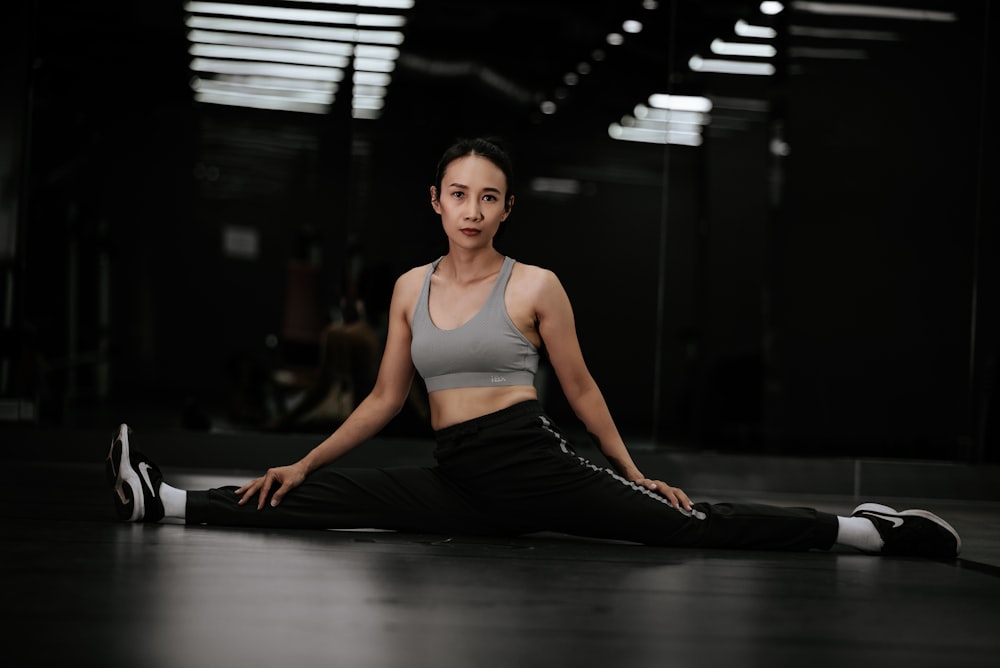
[81, 589]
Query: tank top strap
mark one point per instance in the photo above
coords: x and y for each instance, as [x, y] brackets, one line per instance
[422, 311]
[500, 286]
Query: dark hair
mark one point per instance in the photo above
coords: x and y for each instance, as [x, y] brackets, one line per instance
[491, 148]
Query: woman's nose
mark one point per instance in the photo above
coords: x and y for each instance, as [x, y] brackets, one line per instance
[472, 209]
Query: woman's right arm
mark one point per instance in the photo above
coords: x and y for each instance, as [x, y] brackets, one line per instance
[392, 386]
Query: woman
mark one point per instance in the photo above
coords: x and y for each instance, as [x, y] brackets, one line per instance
[472, 323]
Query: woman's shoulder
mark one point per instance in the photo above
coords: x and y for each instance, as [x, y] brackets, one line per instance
[416, 272]
[407, 288]
[533, 273]
[413, 277]
[534, 282]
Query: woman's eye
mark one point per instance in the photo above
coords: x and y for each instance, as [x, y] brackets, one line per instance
[490, 198]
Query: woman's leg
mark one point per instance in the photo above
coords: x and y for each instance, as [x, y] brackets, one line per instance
[519, 465]
[406, 498]
[411, 499]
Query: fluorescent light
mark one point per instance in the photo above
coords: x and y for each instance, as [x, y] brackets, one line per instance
[272, 13]
[271, 82]
[381, 21]
[660, 125]
[642, 112]
[699, 64]
[632, 27]
[368, 102]
[722, 48]
[266, 42]
[363, 90]
[369, 51]
[267, 55]
[261, 102]
[371, 78]
[333, 34]
[617, 131]
[744, 29]
[771, 8]
[873, 11]
[234, 88]
[680, 102]
[296, 15]
[376, 4]
[266, 69]
[374, 65]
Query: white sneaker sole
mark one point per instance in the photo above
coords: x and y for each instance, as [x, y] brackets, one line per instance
[127, 476]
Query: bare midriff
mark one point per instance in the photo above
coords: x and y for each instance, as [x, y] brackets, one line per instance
[451, 407]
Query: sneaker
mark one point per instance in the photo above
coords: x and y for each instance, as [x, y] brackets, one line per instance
[135, 480]
[917, 533]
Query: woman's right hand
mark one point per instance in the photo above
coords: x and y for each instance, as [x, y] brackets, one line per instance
[285, 477]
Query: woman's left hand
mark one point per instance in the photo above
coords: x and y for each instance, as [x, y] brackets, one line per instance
[678, 499]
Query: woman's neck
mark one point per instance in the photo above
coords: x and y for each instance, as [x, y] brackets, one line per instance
[466, 266]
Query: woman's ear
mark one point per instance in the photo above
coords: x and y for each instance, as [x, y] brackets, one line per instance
[435, 202]
[508, 206]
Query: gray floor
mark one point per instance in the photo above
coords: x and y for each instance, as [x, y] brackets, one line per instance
[83, 589]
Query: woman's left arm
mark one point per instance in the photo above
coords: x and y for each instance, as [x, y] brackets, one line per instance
[557, 328]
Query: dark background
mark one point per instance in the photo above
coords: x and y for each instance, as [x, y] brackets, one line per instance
[839, 297]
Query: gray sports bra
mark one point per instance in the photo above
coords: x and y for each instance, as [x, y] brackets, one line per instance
[487, 350]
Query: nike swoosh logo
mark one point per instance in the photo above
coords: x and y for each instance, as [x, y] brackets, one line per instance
[144, 470]
[896, 521]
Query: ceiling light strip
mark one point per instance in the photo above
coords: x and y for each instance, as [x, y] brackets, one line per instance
[873, 11]
[680, 102]
[744, 29]
[225, 52]
[642, 112]
[333, 34]
[248, 68]
[273, 103]
[722, 66]
[296, 15]
[660, 126]
[617, 131]
[338, 48]
[722, 48]
[230, 88]
[369, 4]
[272, 82]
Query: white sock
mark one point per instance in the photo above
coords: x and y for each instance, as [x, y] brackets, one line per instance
[174, 501]
[859, 533]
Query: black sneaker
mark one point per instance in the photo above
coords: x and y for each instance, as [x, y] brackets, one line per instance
[916, 533]
[135, 480]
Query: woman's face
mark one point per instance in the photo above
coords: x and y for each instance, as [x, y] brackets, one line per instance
[471, 201]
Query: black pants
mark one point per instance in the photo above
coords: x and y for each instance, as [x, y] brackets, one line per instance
[509, 473]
